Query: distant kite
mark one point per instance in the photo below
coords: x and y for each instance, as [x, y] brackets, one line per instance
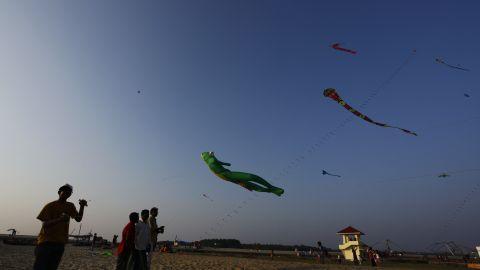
[327, 173]
[204, 195]
[331, 93]
[246, 180]
[138, 92]
[440, 61]
[466, 95]
[444, 175]
[337, 47]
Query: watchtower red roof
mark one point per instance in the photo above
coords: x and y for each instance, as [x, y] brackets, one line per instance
[350, 230]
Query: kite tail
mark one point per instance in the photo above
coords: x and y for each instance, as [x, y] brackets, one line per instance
[402, 129]
[464, 69]
[408, 131]
[347, 50]
[448, 65]
[366, 118]
[388, 126]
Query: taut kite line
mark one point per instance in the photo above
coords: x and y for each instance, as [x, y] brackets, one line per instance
[336, 46]
[246, 180]
[438, 60]
[331, 93]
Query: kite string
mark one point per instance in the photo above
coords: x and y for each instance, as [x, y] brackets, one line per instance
[229, 215]
[455, 214]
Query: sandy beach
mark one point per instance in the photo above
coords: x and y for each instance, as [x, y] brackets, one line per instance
[21, 257]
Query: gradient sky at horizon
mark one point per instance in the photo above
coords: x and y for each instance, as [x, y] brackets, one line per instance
[244, 79]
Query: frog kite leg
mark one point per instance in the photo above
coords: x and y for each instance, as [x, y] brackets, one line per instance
[249, 181]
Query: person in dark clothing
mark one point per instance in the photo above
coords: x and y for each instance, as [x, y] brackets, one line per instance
[321, 252]
[94, 240]
[114, 241]
[127, 245]
[355, 257]
[371, 256]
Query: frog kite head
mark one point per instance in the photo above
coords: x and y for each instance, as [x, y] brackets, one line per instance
[207, 155]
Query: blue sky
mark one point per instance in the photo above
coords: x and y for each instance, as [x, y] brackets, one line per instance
[244, 79]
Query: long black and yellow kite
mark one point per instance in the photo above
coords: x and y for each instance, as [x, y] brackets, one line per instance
[332, 93]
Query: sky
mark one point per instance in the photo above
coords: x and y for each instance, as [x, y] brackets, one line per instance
[244, 79]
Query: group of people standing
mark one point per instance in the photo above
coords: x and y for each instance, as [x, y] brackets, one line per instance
[139, 237]
[374, 257]
[139, 240]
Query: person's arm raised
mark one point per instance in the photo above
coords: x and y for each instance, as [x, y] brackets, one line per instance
[79, 216]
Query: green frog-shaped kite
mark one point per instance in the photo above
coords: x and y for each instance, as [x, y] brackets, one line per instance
[246, 180]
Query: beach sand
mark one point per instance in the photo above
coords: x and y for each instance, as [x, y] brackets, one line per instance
[22, 257]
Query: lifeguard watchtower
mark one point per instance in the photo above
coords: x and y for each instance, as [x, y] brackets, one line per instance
[351, 246]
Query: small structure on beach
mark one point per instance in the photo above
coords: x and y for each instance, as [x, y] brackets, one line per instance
[352, 247]
[13, 232]
[80, 240]
[24, 240]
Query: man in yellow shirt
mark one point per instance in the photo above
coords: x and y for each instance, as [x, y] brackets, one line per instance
[53, 236]
[154, 229]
